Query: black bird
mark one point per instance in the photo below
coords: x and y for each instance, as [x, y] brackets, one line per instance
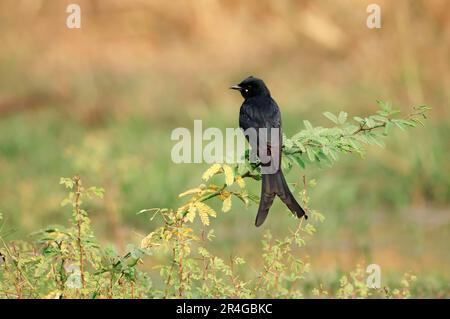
[260, 111]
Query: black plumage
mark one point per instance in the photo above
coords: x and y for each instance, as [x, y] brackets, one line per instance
[260, 111]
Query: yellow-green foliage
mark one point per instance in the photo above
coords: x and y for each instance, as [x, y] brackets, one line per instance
[69, 263]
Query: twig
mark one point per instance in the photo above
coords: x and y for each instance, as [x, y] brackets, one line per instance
[79, 219]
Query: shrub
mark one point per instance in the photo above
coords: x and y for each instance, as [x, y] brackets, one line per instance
[69, 263]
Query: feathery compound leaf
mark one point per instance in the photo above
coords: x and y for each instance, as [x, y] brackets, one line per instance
[288, 143]
[358, 119]
[211, 212]
[203, 217]
[210, 235]
[204, 211]
[300, 146]
[243, 197]
[299, 161]
[308, 125]
[214, 169]
[229, 174]
[342, 117]
[240, 181]
[317, 216]
[190, 216]
[68, 182]
[310, 153]
[331, 117]
[190, 191]
[226, 206]
[309, 229]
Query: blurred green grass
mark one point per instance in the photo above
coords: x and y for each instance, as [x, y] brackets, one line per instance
[375, 211]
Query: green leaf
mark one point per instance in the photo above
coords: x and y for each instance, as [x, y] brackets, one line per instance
[288, 143]
[358, 119]
[243, 196]
[399, 124]
[323, 156]
[384, 106]
[68, 182]
[299, 241]
[370, 122]
[300, 146]
[317, 216]
[210, 235]
[331, 117]
[66, 201]
[342, 117]
[95, 191]
[253, 197]
[286, 164]
[308, 125]
[309, 229]
[310, 153]
[379, 118]
[387, 128]
[298, 159]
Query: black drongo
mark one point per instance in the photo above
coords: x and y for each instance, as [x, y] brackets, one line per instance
[260, 113]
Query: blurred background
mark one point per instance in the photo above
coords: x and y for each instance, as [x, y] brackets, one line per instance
[102, 101]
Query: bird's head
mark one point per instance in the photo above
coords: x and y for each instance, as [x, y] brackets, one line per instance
[250, 87]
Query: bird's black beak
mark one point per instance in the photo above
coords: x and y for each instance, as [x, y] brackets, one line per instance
[236, 87]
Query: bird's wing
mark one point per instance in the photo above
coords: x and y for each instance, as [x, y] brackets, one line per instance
[273, 115]
[272, 119]
[273, 142]
[247, 117]
[258, 114]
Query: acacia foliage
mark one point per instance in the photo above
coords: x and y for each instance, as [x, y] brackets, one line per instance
[68, 262]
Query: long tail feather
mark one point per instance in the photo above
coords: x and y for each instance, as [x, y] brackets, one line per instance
[275, 184]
